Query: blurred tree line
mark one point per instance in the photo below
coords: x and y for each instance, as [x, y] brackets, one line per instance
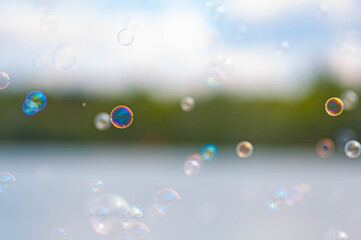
[216, 119]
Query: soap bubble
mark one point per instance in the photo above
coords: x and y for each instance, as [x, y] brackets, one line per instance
[48, 23]
[102, 121]
[7, 182]
[240, 32]
[325, 147]
[209, 152]
[191, 167]
[125, 37]
[137, 230]
[98, 186]
[349, 99]
[213, 3]
[121, 117]
[136, 213]
[4, 80]
[36, 100]
[58, 234]
[352, 149]
[100, 213]
[64, 57]
[334, 106]
[45, 6]
[283, 48]
[219, 71]
[340, 235]
[40, 62]
[277, 199]
[196, 157]
[166, 201]
[187, 104]
[244, 149]
[30, 107]
[83, 104]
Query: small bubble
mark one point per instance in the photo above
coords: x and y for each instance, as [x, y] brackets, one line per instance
[121, 117]
[325, 147]
[136, 213]
[191, 167]
[277, 199]
[244, 149]
[83, 104]
[4, 80]
[98, 186]
[349, 99]
[102, 121]
[352, 149]
[34, 102]
[125, 37]
[58, 234]
[40, 62]
[137, 230]
[209, 152]
[187, 104]
[166, 201]
[334, 106]
[7, 182]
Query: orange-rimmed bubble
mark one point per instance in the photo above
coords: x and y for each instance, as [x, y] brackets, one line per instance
[121, 117]
[334, 106]
[325, 147]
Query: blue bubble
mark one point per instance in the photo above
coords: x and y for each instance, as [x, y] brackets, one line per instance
[34, 102]
[209, 152]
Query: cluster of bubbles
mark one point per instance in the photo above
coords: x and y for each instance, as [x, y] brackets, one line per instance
[121, 117]
[7, 182]
[195, 162]
[58, 234]
[102, 121]
[244, 149]
[166, 201]
[4, 80]
[281, 197]
[34, 102]
[187, 104]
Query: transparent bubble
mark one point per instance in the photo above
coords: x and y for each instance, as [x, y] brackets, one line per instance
[219, 71]
[45, 6]
[218, 14]
[334, 106]
[38, 99]
[48, 23]
[7, 182]
[325, 147]
[40, 62]
[209, 152]
[349, 99]
[102, 121]
[83, 104]
[137, 230]
[322, 11]
[352, 149]
[191, 167]
[340, 235]
[58, 234]
[136, 213]
[283, 48]
[213, 3]
[343, 135]
[30, 107]
[107, 213]
[240, 32]
[166, 201]
[4, 80]
[244, 149]
[187, 104]
[196, 157]
[64, 57]
[125, 37]
[98, 186]
[121, 117]
[277, 199]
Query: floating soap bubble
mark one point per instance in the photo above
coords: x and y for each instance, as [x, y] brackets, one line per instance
[64, 57]
[321, 11]
[40, 62]
[352, 149]
[29, 107]
[196, 157]
[102, 121]
[121, 117]
[343, 135]
[48, 23]
[349, 99]
[277, 199]
[218, 14]
[125, 37]
[191, 167]
[219, 71]
[7, 182]
[166, 201]
[4, 80]
[283, 48]
[108, 224]
[38, 99]
[45, 6]
[334, 106]
[58, 234]
[213, 3]
[209, 152]
[187, 104]
[240, 32]
[244, 149]
[325, 147]
[137, 230]
[98, 186]
[136, 213]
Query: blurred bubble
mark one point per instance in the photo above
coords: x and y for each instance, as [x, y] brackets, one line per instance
[322, 11]
[187, 104]
[40, 62]
[137, 230]
[218, 14]
[325, 147]
[64, 57]
[166, 201]
[343, 135]
[4, 80]
[340, 235]
[213, 3]
[136, 213]
[240, 32]
[349, 99]
[277, 199]
[352, 149]
[58, 234]
[219, 71]
[107, 212]
[125, 37]
[48, 23]
[244, 149]
[209, 152]
[351, 44]
[334, 106]
[297, 193]
[83, 104]
[121, 117]
[29, 107]
[196, 157]
[102, 121]
[34, 102]
[283, 48]
[7, 182]
[45, 6]
[98, 186]
[335, 234]
[191, 167]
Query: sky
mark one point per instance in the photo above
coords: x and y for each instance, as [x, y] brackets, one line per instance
[178, 47]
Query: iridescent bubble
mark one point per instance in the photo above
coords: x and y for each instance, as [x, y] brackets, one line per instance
[45, 6]
[244, 149]
[187, 104]
[121, 117]
[125, 37]
[4, 80]
[283, 48]
[213, 3]
[321, 11]
[215, 76]
[137, 230]
[296, 194]
[240, 32]
[167, 200]
[58, 234]
[64, 57]
[191, 167]
[277, 199]
[136, 213]
[102, 121]
[334, 106]
[48, 23]
[29, 107]
[108, 224]
[325, 147]
[218, 14]
[349, 99]
[7, 182]
[98, 186]
[40, 62]
[352, 149]
[36, 100]
[196, 157]
[209, 152]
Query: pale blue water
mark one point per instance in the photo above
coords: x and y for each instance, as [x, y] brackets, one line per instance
[227, 200]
